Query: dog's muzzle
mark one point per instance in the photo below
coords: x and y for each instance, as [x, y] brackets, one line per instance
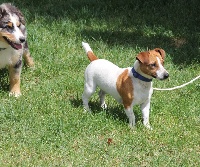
[166, 75]
[15, 45]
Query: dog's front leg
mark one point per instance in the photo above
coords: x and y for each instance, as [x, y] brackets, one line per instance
[145, 107]
[27, 57]
[14, 78]
[130, 115]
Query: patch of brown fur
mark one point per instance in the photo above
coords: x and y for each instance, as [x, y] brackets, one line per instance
[91, 56]
[125, 88]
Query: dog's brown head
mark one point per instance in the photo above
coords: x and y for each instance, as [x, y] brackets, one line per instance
[12, 26]
[152, 63]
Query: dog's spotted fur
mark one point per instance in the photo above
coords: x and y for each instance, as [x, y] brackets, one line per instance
[125, 88]
[13, 45]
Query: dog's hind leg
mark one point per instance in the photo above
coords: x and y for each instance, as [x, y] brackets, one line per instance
[102, 95]
[88, 92]
[27, 57]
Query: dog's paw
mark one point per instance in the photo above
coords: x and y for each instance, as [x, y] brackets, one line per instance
[131, 127]
[30, 64]
[148, 126]
[15, 94]
[85, 110]
[104, 106]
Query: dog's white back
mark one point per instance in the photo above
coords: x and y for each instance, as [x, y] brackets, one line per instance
[100, 73]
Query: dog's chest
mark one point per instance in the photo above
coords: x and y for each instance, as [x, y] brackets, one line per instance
[9, 56]
[141, 91]
[132, 90]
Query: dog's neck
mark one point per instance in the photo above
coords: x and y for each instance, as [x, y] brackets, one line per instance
[137, 73]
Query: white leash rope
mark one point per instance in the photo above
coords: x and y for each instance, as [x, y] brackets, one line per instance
[178, 87]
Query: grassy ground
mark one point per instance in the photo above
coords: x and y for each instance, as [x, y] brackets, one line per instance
[46, 126]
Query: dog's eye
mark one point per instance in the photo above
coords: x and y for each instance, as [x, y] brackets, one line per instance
[153, 65]
[9, 27]
[5, 26]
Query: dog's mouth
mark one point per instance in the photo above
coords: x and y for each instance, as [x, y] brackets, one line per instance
[14, 45]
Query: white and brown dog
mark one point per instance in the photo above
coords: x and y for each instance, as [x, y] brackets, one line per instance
[13, 45]
[129, 86]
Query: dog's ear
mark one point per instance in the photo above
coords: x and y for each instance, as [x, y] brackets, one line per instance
[161, 52]
[143, 57]
[2, 12]
[21, 17]
[15, 10]
[7, 7]
[3, 16]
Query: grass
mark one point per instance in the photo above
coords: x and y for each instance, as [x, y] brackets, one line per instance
[46, 126]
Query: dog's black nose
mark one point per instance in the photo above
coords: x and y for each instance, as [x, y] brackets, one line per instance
[22, 39]
[166, 75]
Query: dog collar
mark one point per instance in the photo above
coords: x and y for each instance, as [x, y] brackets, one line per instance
[2, 49]
[137, 75]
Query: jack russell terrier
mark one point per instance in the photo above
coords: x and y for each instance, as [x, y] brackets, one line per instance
[129, 86]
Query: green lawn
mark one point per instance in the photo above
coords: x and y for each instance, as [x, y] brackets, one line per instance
[46, 126]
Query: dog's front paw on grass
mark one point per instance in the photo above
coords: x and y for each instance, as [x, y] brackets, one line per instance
[15, 94]
[30, 63]
[148, 126]
[132, 128]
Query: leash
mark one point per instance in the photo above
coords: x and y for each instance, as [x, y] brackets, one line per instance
[178, 87]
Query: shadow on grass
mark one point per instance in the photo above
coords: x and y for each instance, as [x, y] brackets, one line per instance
[183, 51]
[115, 111]
[172, 25]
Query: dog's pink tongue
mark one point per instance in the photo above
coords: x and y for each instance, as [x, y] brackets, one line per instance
[17, 46]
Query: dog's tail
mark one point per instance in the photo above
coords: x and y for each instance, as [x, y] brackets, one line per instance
[91, 56]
